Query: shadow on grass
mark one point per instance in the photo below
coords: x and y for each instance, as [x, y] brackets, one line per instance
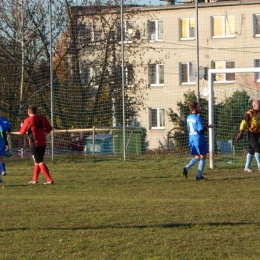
[170, 225]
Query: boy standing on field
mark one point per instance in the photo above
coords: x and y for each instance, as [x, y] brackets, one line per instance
[37, 127]
[197, 140]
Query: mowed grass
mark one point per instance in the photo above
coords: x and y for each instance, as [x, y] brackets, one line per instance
[138, 209]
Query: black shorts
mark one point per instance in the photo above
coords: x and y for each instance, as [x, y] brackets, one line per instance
[38, 153]
[253, 139]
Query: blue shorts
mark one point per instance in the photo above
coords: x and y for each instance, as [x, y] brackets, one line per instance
[199, 149]
[2, 147]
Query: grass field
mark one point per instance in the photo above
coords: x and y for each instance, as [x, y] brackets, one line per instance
[138, 209]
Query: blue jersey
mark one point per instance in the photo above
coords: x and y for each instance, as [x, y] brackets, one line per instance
[197, 139]
[5, 124]
[4, 128]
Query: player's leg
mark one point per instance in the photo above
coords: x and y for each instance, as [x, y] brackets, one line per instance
[256, 146]
[193, 161]
[201, 167]
[3, 169]
[43, 166]
[2, 153]
[252, 148]
[249, 158]
[203, 154]
[36, 168]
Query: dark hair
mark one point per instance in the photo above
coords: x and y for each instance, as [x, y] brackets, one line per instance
[32, 109]
[193, 105]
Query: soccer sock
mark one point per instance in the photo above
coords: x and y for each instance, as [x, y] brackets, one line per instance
[249, 158]
[201, 167]
[45, 171]
[36, 172]
[191, 163]
[257, 157]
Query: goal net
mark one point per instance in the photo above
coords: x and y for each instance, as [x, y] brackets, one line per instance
[226, 110]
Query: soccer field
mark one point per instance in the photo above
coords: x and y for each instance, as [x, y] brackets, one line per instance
[141, 209]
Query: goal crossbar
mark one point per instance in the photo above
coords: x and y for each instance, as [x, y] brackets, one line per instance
[211, 72]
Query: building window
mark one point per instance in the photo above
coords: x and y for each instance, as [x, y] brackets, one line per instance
[257, 25]
[224, 77]
[129, 75]
[90, 33]
[157, 118]
[128, 28]
[92, 76]
[223, 26]
[155, 30]
[187, 29]
[257, 75]
[188, 72]
[156, 75]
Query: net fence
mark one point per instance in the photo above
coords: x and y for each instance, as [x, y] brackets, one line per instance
[115, 78]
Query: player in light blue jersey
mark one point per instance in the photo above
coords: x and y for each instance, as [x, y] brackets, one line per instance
[5, 129]
[197, 140]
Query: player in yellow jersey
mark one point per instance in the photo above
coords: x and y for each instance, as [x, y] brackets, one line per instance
[251, 122]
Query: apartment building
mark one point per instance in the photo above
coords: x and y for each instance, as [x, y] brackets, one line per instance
[173, 44]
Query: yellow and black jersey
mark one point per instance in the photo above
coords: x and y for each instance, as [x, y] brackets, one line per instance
[251, 121]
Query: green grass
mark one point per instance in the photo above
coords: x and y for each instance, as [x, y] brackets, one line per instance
[139, 209]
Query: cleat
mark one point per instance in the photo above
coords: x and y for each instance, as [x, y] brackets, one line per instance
[248, 170]
[48, 182]
[185, 172]
[3, 173]
[200, 178]
[32, 182]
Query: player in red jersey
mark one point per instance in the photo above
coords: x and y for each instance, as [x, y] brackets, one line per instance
[37, 126]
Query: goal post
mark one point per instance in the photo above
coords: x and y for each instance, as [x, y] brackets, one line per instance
[211, 72]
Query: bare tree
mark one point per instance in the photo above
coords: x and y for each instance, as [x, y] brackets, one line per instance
[24, 37]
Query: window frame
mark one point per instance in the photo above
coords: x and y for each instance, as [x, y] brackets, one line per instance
[157, 74]
[224, 76]
[159, 118]
[128, 27]
[224, 23]
[256, 24]
[191, 68]
[158, 30]
[257, 74]
[187, 29]
[129, 73]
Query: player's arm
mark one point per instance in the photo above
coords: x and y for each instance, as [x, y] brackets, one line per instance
[24, 127]
[243, 126]
[48, 127]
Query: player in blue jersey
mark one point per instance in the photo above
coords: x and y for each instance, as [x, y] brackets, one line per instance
[5, 129]
[197, 140]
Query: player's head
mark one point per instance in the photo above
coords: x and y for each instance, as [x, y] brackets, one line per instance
[32, 109]
[256, 105]
[194, 107]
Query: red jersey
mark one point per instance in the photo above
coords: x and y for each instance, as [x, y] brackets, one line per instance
[37, 127]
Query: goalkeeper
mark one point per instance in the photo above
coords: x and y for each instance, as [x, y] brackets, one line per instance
[251, 122]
